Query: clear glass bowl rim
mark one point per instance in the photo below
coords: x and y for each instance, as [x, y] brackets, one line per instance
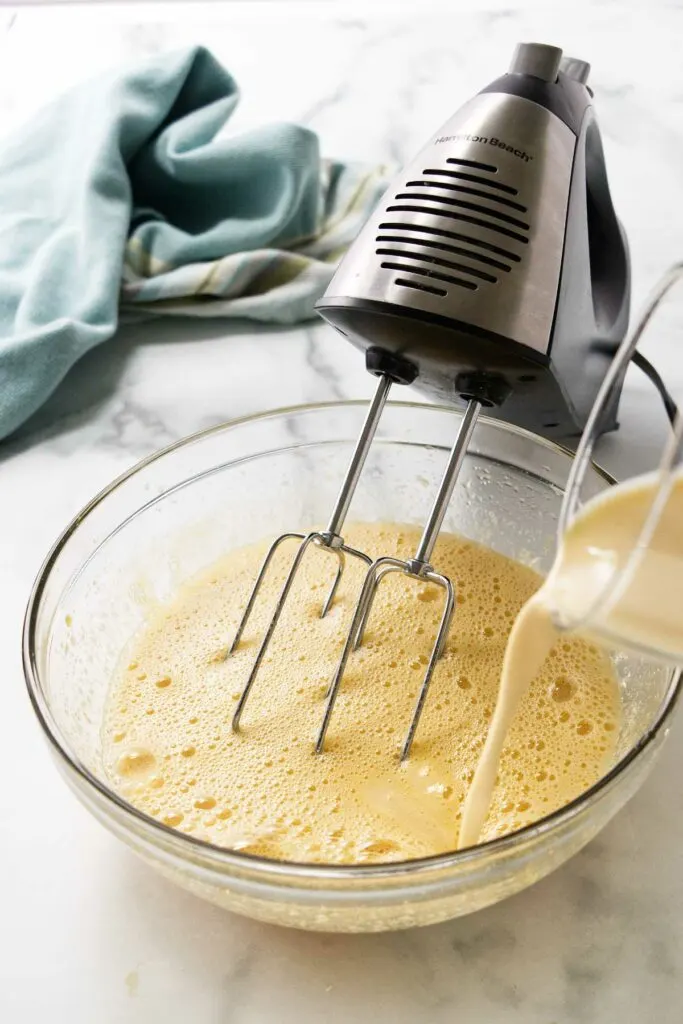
[218, 857]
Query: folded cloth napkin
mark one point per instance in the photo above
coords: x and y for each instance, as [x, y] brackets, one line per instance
[124, 189]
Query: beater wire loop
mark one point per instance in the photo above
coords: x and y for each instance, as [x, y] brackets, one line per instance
[329, 539]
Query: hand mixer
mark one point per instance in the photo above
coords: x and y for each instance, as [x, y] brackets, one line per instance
[493, 273]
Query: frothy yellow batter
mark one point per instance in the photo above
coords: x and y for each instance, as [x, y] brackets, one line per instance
[170, 751]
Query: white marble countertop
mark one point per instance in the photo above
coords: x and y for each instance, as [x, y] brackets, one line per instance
[89, 934]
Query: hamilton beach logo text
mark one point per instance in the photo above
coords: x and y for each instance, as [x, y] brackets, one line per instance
[489, 141]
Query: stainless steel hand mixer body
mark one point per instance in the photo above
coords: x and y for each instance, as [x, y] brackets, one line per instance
[494, 273]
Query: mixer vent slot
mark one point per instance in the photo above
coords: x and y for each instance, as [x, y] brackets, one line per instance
[467, 191]
[445, 236]
[475, 179]
[419, 287]
[463, 218]
[456, 250]
[463, 204]
[427, 249]
[464, 192]
[439, 261]
[433, 275]
[427, 271]
[424, 251]
[472, 163]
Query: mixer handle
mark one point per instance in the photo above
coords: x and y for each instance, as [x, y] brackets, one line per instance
[607, 247]
[612, 380]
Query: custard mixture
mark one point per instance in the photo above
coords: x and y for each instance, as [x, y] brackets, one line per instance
[170, 750]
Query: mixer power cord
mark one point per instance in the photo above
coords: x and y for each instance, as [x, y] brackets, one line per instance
[639, 360]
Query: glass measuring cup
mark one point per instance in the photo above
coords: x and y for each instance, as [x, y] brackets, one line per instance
[619, 571]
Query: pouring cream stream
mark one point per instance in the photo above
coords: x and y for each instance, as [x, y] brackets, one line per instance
[611, 581]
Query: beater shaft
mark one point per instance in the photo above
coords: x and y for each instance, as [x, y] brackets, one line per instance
[360, 454]
[447, 485]
[418, 568]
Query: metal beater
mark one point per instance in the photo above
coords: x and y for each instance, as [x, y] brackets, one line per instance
[494, 273]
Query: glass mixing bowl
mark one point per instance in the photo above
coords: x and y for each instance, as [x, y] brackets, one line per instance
[178, 511]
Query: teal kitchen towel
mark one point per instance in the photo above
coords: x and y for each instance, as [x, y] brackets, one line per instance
[124, 192]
